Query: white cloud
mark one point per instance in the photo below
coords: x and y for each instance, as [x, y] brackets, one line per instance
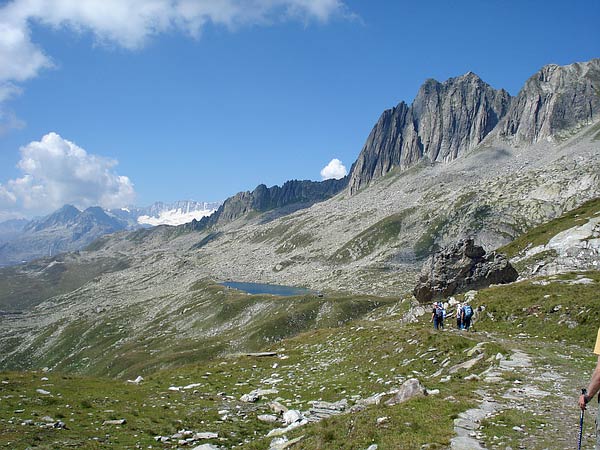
[57, 171]
[335, 169]
[129, 24]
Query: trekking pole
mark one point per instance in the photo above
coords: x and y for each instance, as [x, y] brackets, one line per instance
[583, 392]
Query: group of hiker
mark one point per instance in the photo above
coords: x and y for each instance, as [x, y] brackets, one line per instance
[464, 316]
[463, 313]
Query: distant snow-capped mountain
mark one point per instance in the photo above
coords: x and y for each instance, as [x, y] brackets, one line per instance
[159, 213]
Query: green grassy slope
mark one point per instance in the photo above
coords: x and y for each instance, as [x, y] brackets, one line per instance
[209, 321]
[354, 360]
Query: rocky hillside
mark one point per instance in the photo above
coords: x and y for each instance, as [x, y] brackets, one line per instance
[568, 243]
[144, 294]
[448, 119]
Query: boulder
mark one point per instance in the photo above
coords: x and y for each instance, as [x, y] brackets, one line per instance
[138, 380]
[321, 410]
[292, 416]
[277, 407]
[206, 447]
[256, 395]
[409, 389]
[461, 267]
[283, 442]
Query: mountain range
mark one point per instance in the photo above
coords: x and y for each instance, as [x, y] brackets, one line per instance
[69, 229]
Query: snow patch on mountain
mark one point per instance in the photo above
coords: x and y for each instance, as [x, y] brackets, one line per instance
[174, 217]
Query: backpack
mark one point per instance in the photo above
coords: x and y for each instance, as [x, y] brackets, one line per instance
[439, 312]
[468, 311]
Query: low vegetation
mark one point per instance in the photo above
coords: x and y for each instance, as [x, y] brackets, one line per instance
[209, 321]
[562, 307]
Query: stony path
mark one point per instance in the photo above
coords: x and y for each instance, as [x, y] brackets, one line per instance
[539, 389]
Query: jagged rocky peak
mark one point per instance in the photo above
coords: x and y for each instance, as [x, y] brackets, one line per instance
[555, 99]
[444, 121]
[448, 119]
[456, 115]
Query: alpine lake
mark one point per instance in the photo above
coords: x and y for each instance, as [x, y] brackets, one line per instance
[271, 289]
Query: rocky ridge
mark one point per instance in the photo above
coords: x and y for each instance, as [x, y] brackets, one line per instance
[292, 195]
[554, 101]
[447, 120]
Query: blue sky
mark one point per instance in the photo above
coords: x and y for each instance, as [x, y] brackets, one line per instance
[217, 99]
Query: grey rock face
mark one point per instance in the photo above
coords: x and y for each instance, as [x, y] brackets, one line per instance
[556, 98]
[575, 249]
[445, 120]
[448, 119]
[460, 267]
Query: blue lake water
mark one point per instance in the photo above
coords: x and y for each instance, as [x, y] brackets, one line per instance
[261, 288]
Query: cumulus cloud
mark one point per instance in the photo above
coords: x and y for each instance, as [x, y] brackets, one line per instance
[57, 171]
[130, 23]
[335, 169]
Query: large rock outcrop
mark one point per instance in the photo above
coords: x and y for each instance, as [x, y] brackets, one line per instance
[460, 267]
[448, 119]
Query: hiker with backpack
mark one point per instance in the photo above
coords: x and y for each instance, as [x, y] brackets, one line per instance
[467, 314]
[459, 316]
[437, 316]
[592, 389]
